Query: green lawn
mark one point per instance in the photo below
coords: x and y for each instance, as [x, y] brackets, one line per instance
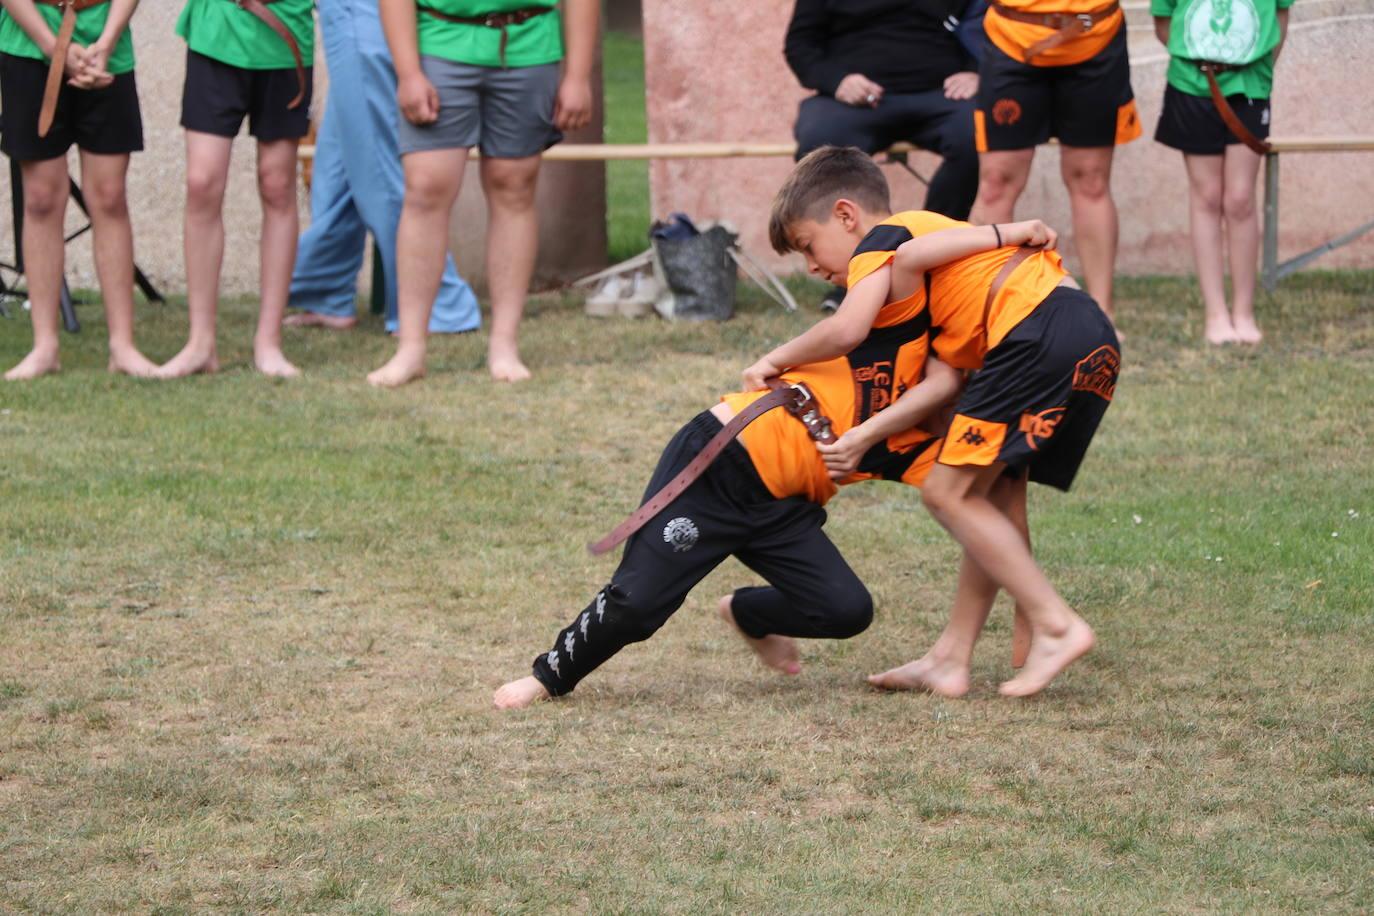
[251, 629]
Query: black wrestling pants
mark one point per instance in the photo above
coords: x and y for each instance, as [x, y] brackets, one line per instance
[727, 512]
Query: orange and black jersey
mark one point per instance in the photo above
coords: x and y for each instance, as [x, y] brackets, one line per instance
[955, 294]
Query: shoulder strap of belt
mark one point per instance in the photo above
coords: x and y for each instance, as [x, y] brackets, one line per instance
[57, 68]
[1228, 114]
[259, 9]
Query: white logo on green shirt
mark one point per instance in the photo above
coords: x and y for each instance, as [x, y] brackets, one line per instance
[1226, 31]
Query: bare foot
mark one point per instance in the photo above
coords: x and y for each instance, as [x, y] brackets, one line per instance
[1048, 656]
[399, 370]
[519, 694]
[1247, 332]
[131, 362]
[271, 361]
[190, 361]
[505, 365]
[777, 652]
[37, 363]
[946, 677]
[1219, 332]
[318, 320]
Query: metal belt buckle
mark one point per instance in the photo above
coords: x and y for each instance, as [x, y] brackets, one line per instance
[817, 424]
[493, 21]
[1085, 20]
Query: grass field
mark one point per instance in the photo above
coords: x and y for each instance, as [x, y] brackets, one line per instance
[250, 633]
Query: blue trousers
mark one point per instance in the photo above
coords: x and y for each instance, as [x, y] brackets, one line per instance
[359, 184]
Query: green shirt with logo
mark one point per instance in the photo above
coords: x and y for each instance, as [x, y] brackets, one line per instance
[532, 43]
[90, 24]
[1242, 33]
[221, 30]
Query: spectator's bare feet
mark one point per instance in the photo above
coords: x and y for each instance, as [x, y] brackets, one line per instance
[272, 362]
[946, 677]
[190, 361]
[1247, 332]
[37, 363]
[777, 652]
[1048, 656]
[519, 694]
[128, 361]
[404, 367]
[1219, 331]
[504, 362]
[317, 320]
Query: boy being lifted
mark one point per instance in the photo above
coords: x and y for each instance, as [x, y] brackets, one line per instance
[1044, 362]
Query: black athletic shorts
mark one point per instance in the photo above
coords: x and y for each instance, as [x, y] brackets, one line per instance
[106, 121]
[218, 96]
[1086, 104]
[1191, 123]
[1041, 392]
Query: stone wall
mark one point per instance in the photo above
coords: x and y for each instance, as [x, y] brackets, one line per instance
[705, 82]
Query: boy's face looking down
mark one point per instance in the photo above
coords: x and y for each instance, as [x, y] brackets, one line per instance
[829, 243]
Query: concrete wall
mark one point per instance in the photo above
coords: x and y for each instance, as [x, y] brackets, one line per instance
[572, 197]
[705, 82]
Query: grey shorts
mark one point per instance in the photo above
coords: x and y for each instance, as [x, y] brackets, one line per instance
[508, 114]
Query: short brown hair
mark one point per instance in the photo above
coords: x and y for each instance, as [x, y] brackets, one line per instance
[821, 178]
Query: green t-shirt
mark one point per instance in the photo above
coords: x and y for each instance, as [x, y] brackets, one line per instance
[90, 23]
[532, 43]
[219, 29]
[1239, 32]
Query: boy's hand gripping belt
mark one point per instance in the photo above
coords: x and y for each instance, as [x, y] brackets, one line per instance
[1210, 69]
[795, 398]
[1065, 25]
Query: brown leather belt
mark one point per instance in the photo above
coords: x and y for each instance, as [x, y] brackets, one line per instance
[500, 21]
[795, 398]
[57, 68]
[1066, 25]
[1229, 117]
[259, 9]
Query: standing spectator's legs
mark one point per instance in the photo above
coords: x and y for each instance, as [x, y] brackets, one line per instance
[1242, 231]
[324, 282]
[1204, 224]
[433, 179]
[512, 242]
[103, 178]
[945, 127]
[277, 250]
[45, 205]
[1087, 174]
[1002, 177]
[207, 174]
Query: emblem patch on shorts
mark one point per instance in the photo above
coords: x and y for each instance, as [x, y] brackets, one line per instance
[682, 533]
[1040, 426]
[1006, 112]
[1097, 372]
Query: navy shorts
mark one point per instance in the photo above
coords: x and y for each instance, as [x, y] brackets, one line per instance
[1192, 124]
[104, 121]
[218, 96]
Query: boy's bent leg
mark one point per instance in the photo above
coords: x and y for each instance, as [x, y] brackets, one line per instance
[45, 205]
[103, 179]
[512, 243]
[207, 174]
[433, 179]
[277, 250]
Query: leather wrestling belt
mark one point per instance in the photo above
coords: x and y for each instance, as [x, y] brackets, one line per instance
[58, 66]
[1210, 69]
[1065, 25]
[502, 21]
[796, 399]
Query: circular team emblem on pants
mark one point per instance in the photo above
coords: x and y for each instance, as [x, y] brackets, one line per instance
[1006, 111]
[682, 533]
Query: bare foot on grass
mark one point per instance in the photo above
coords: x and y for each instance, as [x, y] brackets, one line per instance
[504, 362]
[1048, 656]
[777, 652]
[318, 320]
[38, 363]
[190, 361]
[1247, 332]
[272, 362]
[401, 369]
[519, 694]
[131, 362]
[1219, 332]
[945, 677]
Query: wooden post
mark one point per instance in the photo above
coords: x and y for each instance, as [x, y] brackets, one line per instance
[1269, 273]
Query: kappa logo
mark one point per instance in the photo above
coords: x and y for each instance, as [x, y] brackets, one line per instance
[552, 659]
[600, 605]
[1006, 112]
[1040, 426]
[568, 643]
[586, 619]
[973, 437]
[1097, 372]
[682, 533]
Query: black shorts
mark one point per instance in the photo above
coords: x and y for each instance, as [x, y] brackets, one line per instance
[1191, 123]
[1040, 394]
[1087, 104]
[105, 121]
[218, 96]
